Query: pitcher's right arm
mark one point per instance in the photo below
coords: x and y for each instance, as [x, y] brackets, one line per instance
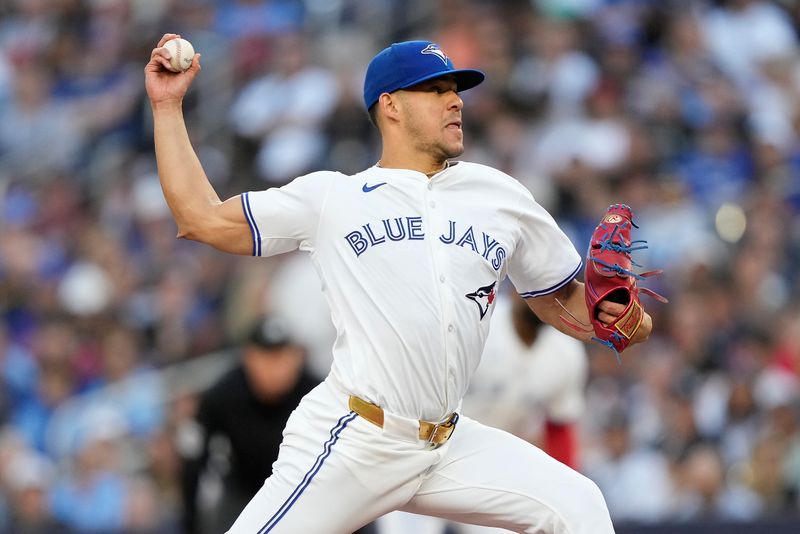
[196, 207]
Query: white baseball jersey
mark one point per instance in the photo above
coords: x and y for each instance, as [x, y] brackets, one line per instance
[410, 267]
[516, 386]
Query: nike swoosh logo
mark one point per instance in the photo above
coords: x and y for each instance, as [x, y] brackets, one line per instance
[367, 188]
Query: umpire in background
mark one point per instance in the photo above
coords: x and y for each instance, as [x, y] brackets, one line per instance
[248, 408]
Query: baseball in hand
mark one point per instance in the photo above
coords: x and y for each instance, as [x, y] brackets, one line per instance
[181, 53]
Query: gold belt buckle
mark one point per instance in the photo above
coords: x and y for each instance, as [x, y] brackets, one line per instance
[437, 438]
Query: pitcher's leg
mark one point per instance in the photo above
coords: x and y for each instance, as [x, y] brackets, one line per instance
[310, 495]
[334, 474]
[403, 523]
[492, 478]
[463, 528]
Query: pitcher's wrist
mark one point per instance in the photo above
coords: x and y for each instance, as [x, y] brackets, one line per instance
[167, 106]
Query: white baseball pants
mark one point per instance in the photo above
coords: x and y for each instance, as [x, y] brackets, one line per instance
[337, 472]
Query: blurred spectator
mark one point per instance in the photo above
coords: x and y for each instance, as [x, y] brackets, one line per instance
[557, 71]
[92, 496]
[28, 31]
[283, 112]
[93, 80]
[624, 473]
[28, 478]
[57, 347]
[252, 25]
[720, 169]
[577, 153]
[38, 136]
[704, 492]
[124, 382]
[239, 424]
[19, 374]
[743, 33]
[739, 429]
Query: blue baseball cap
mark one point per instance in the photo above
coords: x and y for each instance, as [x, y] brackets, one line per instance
[402, 65]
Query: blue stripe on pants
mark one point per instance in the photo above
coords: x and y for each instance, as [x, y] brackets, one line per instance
[309, 476]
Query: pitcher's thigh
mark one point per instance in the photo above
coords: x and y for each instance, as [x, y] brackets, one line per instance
[335, 472]
[492, 478]
[310, 489]
[403, 523]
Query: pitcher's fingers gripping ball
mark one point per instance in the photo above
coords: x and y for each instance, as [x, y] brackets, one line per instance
[181, 53]
[609, 276]
[165, 84]
[173, 55]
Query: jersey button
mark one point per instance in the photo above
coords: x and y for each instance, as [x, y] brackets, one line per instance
[450, 328]
[430, 185]
[432, 203]
[442, 278]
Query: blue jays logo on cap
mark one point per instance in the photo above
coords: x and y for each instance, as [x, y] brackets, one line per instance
[436, 51]
[402, 65]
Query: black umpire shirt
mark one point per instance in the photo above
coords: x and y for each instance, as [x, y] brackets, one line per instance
[252, 426]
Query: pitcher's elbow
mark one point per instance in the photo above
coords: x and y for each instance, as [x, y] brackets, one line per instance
[188, 232]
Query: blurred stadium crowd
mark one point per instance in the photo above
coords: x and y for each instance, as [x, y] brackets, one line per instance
[687, 110]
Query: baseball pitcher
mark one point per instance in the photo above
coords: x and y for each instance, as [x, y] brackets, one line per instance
[411, 253]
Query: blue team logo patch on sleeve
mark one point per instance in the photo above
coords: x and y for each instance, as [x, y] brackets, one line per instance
[483, 297]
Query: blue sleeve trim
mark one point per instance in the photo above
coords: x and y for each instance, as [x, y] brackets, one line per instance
[556, 287]
[248, 214]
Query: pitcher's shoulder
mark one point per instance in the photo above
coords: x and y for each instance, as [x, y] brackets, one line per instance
[322, 176]
[316, 180]
[490, 174]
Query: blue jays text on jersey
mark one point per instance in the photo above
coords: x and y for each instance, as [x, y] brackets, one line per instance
[411, 228]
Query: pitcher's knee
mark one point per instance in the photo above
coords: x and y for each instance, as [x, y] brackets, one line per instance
[594, 497]
[590, 511]
[575, 507]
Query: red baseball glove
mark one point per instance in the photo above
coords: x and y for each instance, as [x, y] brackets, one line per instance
[609, 276]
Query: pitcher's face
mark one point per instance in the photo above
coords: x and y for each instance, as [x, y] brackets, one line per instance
[432, 117]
